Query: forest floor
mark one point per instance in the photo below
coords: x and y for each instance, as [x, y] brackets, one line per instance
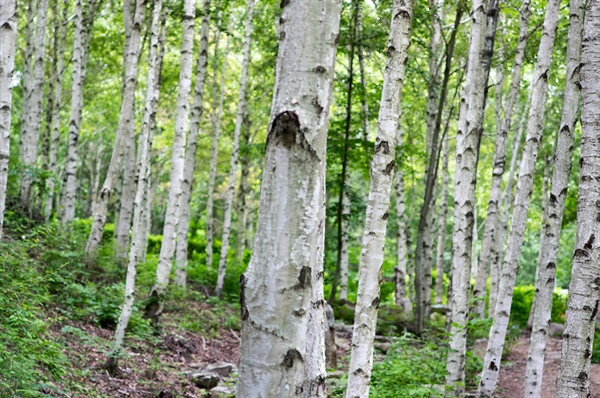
[512, 373]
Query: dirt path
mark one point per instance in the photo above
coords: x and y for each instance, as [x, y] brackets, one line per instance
[512, 373]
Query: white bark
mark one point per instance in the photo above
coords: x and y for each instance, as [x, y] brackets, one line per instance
[441, 232]
[470, 125]
[344, 261]
[584, 288]
[125, 127]
[235, 151]
[491, 366]
[402, 299]
[143, 166]
[492, 221]
[30, 131]
[382, 175]
[546, 273]
[217, 118]
[282, 351]
[181, 252]
[59, 60]
[498, 250]
[167, 249]
[8, 35]
[123, 225]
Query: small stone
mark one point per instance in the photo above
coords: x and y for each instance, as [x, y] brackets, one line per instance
[222, 392]
[221, 368]
[205, 380]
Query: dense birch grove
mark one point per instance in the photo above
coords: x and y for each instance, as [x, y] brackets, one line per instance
[324, 198]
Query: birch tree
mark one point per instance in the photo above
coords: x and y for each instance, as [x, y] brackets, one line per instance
[402, 299]
[470, 127]
[382, 175]
[282, 352]
[32, 113]
[491, 366]
[60, 38]
[167, 248]
[125, 127]
[8, 35]
[584, 288]
[138, 231]
[216, 121]
[492, 221]
[441, 232]
[239, 119]
[181, 251]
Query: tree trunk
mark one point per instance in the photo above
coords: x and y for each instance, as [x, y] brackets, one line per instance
[498, 250]
[138, 231]
[341, 222]
[181, 251]
[30, 131]
[167, 248]
[363, 77]
[282, 351]
[243, 203]
[124, 130]
[382, 175]
[492, 221]
[402, 300]
[216, 121]
[123, 226]
[423, 257]
[344, 260]
[470, 128]
[8, 35]
[441, 233]
[60, 38]
[510, 267]
[582, 306]
[235, 152]
[546, 273]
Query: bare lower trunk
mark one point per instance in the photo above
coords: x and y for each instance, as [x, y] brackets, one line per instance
[235, 152]
[492, 221]
[30, 131]
[546, 273]
[584, 289]
[470, 128]
[138, 231]
[510, 267]
[282, 352]
[181, 253]
[167, 248]
[382, 175]
[344, 261]
[216, 120]
[402, 299]
[498, 250]
[124, 131]
[441, 233]
[59, 60]
[127, 198]
[8, 35]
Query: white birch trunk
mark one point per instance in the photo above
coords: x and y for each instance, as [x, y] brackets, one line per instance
[491, 366]
[498, 250]
[138, 231]
[282, 351]
[125, 125]
[492, 221]
[546, 273]
[243, 202]
[217, 118]
[344, 261]
[402, 299]
[584, 288]
[167, 248]
[30, 131]
[8, 36]
[235, 152]
[382, 175]
[181, 252]
[467, 146]
[123, 225]
[59, 54]
[441, 233]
